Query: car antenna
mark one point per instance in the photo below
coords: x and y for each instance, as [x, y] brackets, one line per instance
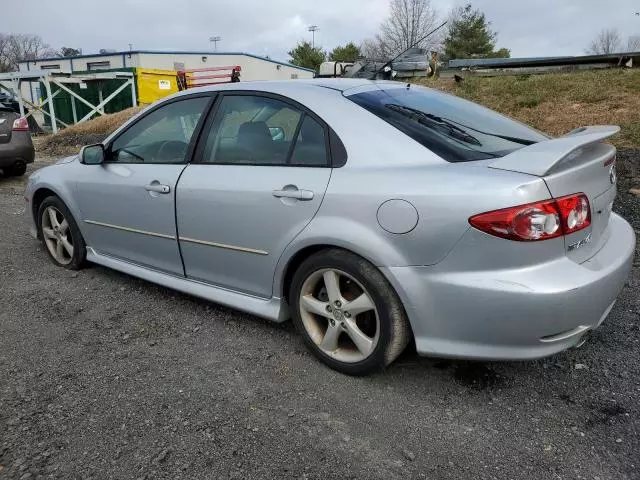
[390, 62]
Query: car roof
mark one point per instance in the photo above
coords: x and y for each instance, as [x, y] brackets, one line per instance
[339, 84]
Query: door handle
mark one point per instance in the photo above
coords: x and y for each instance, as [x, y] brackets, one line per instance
[158, 188]
[303, 195]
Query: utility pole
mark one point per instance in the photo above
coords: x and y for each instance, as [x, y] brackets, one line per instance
[215, 41]
[313, 29]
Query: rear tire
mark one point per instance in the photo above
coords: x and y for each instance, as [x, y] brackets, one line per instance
[60, 234]
[347, 312]
[18, 169]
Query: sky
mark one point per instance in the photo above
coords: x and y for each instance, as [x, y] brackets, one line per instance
[273, 27]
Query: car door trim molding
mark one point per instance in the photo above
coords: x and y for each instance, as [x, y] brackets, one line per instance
[132, 230]
[182, 239]
[223, 245]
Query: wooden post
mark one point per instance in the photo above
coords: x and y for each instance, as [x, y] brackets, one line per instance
[52, 111]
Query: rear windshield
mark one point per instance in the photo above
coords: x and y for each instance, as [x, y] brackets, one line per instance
[454, 129]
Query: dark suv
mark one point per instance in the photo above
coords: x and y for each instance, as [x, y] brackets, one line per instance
[16, 147]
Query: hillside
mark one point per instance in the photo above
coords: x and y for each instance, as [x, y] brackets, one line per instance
[555, 104]
[558, 103]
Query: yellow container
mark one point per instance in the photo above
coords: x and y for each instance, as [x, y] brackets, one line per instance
[155, 84]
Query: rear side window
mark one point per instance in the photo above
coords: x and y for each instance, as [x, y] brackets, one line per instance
[454, 129]
[258, 130]
[311, 147]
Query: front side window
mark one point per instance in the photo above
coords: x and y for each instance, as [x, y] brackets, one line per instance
[454, 129]
[255, 130]
[163, 136]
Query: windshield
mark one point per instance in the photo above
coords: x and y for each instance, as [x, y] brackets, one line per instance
[455, 129]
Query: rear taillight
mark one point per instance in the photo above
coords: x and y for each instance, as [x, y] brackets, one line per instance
[20, 125]
[537, 221]
[575, 212]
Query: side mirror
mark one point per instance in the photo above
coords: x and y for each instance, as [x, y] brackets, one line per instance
[92, 154]
[277, 134]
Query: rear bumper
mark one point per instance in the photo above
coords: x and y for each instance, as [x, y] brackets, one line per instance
[11, 152]
[523, 313]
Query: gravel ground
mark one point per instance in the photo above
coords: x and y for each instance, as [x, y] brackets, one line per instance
[106, 376]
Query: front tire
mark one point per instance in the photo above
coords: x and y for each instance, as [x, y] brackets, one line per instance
[60, 234]
[347, 312]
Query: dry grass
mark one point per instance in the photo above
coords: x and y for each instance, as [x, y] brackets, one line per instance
[69, 140]
[105, 124]
[558, 103]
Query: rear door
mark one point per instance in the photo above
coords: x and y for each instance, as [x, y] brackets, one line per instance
[258, 178]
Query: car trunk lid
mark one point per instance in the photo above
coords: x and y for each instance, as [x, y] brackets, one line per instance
[6, 124]
[577, 162]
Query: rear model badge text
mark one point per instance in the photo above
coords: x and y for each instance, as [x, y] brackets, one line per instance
[581, 243]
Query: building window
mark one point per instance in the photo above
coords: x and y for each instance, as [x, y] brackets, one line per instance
[98, 65]
[50, 67]
[294, 76]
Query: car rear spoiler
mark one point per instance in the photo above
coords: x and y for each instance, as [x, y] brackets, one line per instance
[541, 158]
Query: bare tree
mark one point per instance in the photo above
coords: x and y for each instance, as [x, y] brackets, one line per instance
[633, 44]
[607, 41]
[15, 48]
[408, 21]
[5, 63]
[371, 49]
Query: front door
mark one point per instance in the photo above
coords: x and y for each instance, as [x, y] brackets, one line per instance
[258, 178]
[128, 202]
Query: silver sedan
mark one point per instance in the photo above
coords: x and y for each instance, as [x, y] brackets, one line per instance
[374, 214]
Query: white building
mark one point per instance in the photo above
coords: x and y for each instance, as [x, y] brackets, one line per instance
[253, 67]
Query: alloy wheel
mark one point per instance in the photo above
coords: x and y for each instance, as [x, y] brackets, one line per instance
[339, 315]
[57, 235]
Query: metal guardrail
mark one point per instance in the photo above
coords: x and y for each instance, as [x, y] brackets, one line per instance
[619, 59]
